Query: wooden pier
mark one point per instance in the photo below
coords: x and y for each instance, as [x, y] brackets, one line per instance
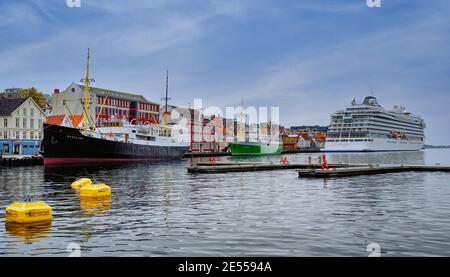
[368, 170]
[313, 170]
[224, 167]
[23, 161]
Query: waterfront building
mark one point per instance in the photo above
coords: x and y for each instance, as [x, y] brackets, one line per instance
[290, 142]
[105, 105]
[204, 130]
[310, 136]
[21, 123]
[304, 141]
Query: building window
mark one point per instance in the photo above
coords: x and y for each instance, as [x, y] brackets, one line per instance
[32, 112]
[31, 135]
[5, 134]
[24, 112]
[24, 123]
[40, 135]
[40, 123]
[17, 122]
[31, 123]
[5, 122]
[17, 134]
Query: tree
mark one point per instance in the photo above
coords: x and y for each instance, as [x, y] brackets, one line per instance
[37, 96]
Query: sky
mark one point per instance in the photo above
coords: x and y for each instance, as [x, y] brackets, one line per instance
[307, 57]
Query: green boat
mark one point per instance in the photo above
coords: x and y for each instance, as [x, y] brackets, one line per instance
[255, 148]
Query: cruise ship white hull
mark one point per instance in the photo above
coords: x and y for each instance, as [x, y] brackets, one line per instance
[377, 145]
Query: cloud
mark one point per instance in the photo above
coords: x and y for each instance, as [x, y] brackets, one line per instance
[17, 14]
[308, 58]
[332, 7]
[395, 63]
[163, 31]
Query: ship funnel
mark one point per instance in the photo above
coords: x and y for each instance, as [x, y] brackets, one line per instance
[370, 101]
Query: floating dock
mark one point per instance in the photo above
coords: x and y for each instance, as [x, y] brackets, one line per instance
[224, 167]
[368, 170]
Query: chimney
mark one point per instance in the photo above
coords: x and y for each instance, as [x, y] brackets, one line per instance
[56, 90]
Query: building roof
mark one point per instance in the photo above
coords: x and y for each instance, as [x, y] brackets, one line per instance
[118, 94]
[305, 137]
[56, 119]
[76, 120]
[8, 106]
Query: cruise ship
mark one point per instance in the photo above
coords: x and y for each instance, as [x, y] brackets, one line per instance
[367, 127]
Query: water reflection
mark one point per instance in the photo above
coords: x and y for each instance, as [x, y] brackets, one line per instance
[410, 157]
[160, 210]
[30, 232]
[95, 206]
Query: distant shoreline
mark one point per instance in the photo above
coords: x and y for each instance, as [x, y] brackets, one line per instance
[437, 146]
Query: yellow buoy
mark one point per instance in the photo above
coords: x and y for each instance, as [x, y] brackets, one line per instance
[95, 191]
[28, 212]
[81, 183]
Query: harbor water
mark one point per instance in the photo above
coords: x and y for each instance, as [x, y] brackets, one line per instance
[159, 209]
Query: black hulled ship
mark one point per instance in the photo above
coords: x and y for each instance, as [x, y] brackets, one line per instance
[113, 141]
[64, 145]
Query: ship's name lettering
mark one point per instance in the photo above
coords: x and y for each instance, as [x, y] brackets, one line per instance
[74, 137]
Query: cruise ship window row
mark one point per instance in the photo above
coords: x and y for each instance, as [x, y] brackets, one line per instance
[386, 116]
[387, 130]
[408, 124]
[373, 123]
[370, 134]
[380, 120]
[347, 140]
[400, 118]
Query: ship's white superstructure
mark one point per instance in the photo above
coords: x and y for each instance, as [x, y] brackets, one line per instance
[368, 126]
[151, 135]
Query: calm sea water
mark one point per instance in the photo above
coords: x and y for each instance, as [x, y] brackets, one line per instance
[161, 210]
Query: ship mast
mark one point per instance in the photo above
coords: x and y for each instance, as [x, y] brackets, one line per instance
[167, 90]
[87, 81]
[241, 133]
[166, 99]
